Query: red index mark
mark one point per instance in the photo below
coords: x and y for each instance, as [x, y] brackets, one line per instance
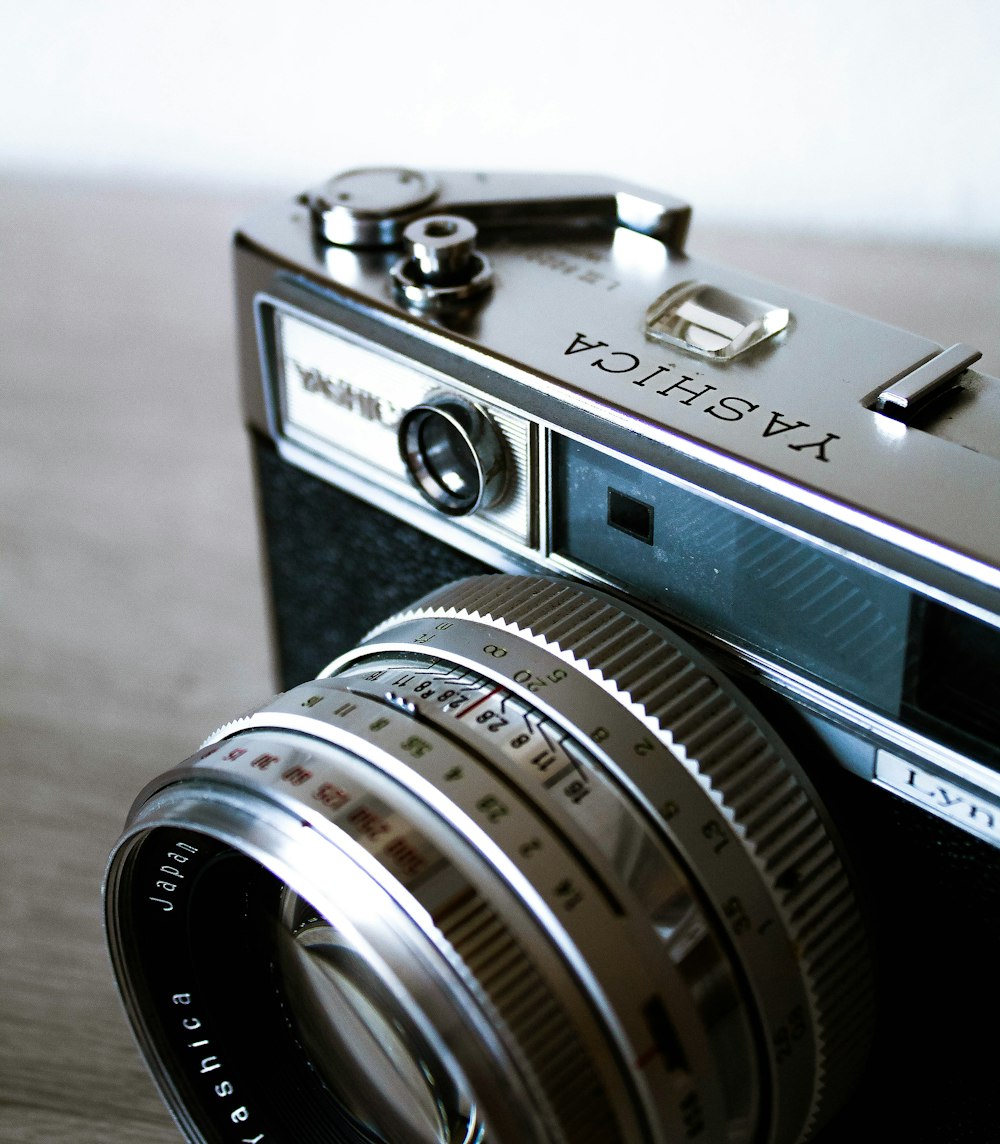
[477, 703]
[644, 1058]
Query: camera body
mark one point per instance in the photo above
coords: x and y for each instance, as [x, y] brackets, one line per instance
[446, 375]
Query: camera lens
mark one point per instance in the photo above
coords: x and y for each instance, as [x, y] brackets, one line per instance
[259, 1012]
[361, 1040]
[454, 455]
[519, 868]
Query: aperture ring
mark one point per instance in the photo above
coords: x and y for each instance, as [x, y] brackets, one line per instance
[762, 795]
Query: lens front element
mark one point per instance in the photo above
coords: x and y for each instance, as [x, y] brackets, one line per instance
[362, 1041]
[531, 872]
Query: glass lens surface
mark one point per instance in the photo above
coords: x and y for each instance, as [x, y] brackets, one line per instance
[362, 1041]
[261, 1014]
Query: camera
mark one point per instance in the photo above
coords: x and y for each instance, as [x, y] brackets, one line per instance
[636, 773]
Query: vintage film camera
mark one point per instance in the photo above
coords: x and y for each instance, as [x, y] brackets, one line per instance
[524, 865]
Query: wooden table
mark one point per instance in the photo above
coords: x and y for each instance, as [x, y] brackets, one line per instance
[131, 617]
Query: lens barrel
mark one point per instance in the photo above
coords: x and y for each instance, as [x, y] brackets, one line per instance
[520, 867]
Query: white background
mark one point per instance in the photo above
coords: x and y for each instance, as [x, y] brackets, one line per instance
[866, 116]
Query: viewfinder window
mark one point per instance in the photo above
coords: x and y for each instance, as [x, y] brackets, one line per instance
[630, 515]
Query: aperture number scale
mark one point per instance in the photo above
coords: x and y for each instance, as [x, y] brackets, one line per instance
[485, 714]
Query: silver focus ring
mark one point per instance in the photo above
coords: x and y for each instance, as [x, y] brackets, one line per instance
[711, 733]
[507, 975]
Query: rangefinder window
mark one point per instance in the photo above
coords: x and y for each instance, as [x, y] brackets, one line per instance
[953, 679]
[736, 577]
[720, 571]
